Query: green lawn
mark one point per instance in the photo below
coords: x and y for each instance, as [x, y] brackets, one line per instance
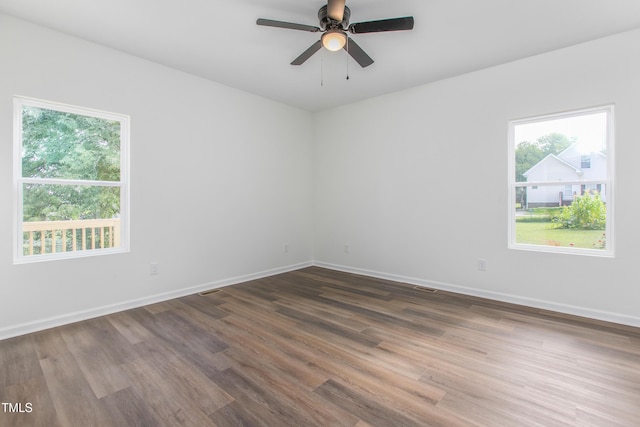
[548, 233]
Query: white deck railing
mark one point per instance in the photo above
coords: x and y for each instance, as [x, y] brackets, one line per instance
[73, 235]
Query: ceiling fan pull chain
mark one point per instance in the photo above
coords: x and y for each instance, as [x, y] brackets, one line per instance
[322, 70]
[347, 58]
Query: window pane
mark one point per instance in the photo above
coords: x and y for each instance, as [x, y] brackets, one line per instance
[46, 202]
[561, 182]
[63, 145]
[63, 218]
[564, 149]
[71, 181]
[579, 222]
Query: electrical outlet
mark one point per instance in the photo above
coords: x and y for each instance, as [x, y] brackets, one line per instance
[482, 265]
[346, 248]
[285, 248]
[155, 269]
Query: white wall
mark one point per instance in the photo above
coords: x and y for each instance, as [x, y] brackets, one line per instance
[220, 181]
[417, 183]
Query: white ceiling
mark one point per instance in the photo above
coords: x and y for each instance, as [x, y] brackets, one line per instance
[219, 40]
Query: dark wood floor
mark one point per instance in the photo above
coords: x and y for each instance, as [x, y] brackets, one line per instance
[322, 348]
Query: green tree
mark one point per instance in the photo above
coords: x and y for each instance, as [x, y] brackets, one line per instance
[61, 145]
[527, 155]
[554, 143]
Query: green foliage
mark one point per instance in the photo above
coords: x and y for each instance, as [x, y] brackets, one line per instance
[527, 155]
[554, 143]
[587, 212]
[60, 145]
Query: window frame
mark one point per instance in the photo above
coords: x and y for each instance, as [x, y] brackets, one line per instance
[18, 182]
[608, 182]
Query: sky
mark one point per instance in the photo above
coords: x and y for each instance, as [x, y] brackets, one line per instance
[590, 130]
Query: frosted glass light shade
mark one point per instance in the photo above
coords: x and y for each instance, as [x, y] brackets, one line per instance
[334, 40]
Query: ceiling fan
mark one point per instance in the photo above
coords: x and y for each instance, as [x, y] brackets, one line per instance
[334, 23]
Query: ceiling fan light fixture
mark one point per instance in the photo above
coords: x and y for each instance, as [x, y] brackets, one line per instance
[334, 40]
[333, 23]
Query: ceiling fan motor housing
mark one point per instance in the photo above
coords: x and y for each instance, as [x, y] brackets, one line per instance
[327, 23]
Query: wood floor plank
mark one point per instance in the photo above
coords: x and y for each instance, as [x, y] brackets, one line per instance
[184, 378]
[327, 329]
[198, 347]
[502, 402]
[317, 347]
[269, 350]
[158, 307]
[162, 392]
[98, 333]
[18, 361]
[320, 311]
[413, 347]
[99, 350]
[72, 397]
[49, 343]
[203, 304]
[376, 315]
[238, 305]
[33, 392]
[369, 410]
[298, 401]
[276, 408]
[130, 329]
[179, 331]
[363, 370]
[235, 414]
[590, 416]
[370, 379]
[127, 408]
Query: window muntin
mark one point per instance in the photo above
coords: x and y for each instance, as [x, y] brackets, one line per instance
[71, 180]
[548, 174]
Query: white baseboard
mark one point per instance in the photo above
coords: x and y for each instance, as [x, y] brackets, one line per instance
[51, 322]
[497, 296]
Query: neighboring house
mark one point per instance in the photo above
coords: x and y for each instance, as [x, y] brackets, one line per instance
[570, 166]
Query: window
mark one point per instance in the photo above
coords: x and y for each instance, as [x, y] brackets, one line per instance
[568, 159]
[71, 181]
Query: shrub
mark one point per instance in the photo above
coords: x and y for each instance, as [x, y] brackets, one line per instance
[587, 212]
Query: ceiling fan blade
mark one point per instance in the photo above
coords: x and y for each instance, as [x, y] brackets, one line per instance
[307, 53]
[357, 53]
[335, 9]
[393, 24]
[288, 25]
